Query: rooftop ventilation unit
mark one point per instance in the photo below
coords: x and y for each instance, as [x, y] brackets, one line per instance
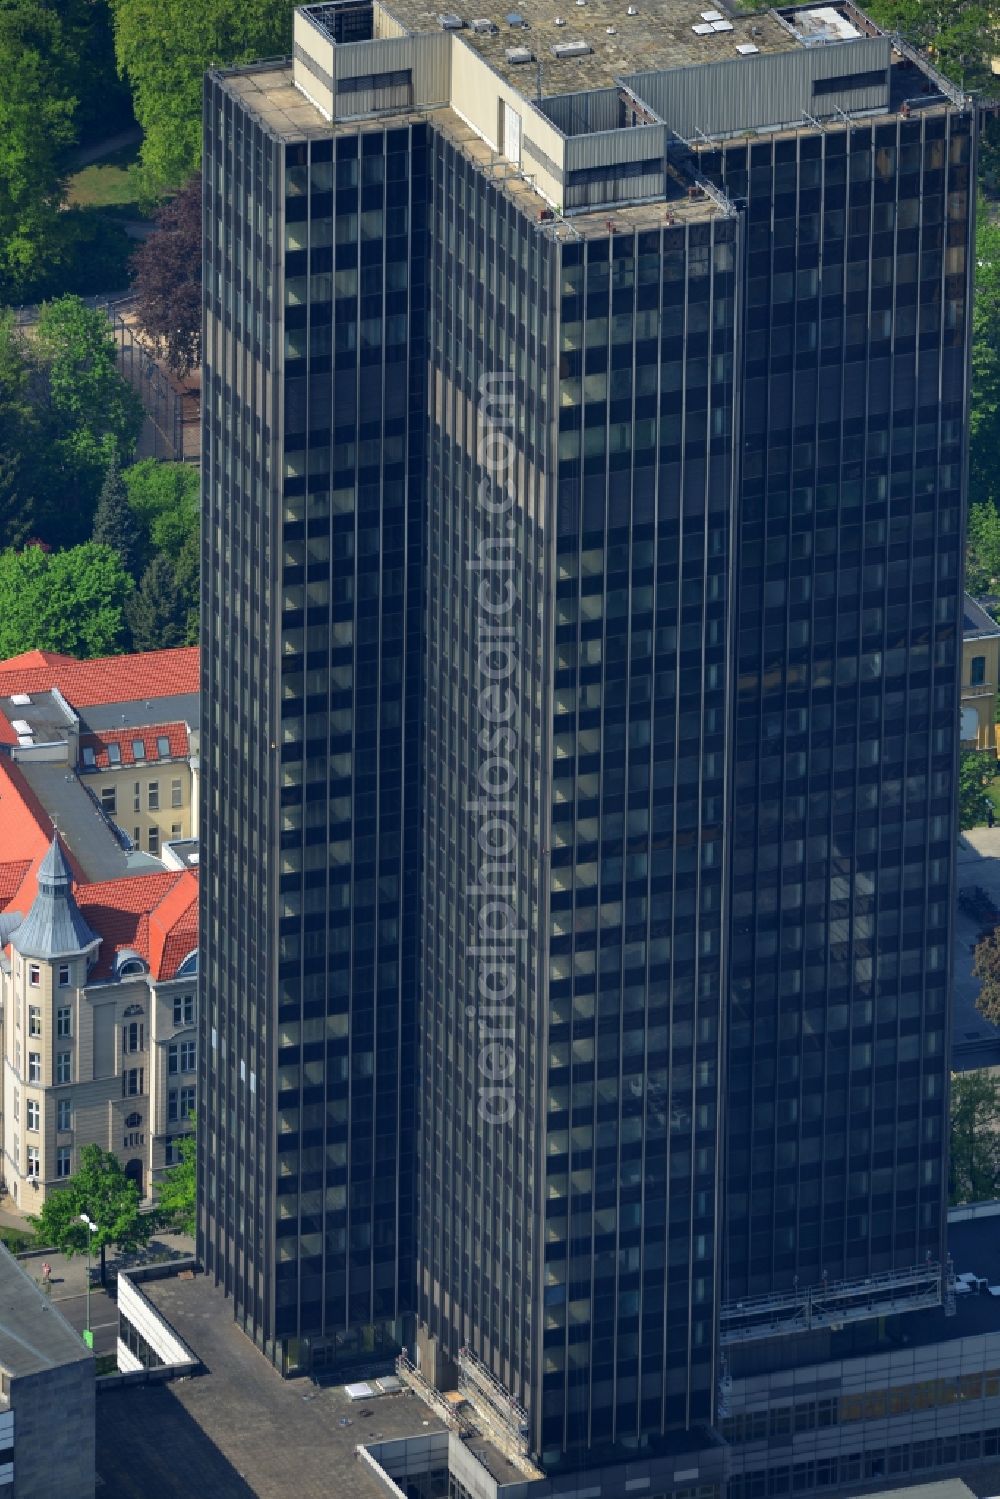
[746, 49]
[519, 54]
[571, 49]
[451, 23]
[633, 10]
[483, 26]
[560, 21]
[704, 28]
[612, 30]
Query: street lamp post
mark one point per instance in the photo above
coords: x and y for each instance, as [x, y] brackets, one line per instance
[88, 1336]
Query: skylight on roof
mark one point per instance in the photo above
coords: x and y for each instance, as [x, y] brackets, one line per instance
[722, 25]
[114, 754]
[746, 49]
[163, 745]
[704, 28]
[20, 726]
[711, 15]
[20, 699]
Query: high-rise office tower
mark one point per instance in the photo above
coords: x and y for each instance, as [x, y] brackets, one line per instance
[585, 401]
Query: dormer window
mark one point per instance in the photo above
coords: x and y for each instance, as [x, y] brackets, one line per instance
[89, 758]
[138, 749]
[131, 968]
[163, 746]
[114, 754]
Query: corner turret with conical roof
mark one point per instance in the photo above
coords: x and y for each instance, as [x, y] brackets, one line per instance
[54, 927]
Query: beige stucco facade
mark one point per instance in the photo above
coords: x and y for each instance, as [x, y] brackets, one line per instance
[154, 804]
[980, 678]
[91, 1063]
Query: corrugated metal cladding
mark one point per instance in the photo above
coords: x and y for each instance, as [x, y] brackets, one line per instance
[574, 114]
[385, 24]
[428, 57]
[753, 93]
[612, 147]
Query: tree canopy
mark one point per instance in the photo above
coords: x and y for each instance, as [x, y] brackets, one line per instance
[975, 1137]
[64, 412]
[109, 1198]
[986, 968]
[71, 601]
[167, 281]
[115, 523]
[960, 36]
[176, 1196]
[165, 497]
[984, 416]
[976, 771]
[164, 48]
[37, 130]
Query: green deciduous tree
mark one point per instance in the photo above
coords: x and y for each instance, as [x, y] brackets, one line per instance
[20, 440]
[115, 522]
[986, 968]
[72, 601]
[176, 1198]
[37, 131]
[982, 558]
[91, 412]
[109, 1198]
[975, 1137]
[157, 612]
[165, 497]
[960, 36]
[984, 417]
[976, 771]
[164, 47]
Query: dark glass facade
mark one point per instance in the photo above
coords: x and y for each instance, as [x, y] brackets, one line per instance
[313, 567]
[600, 590]
[847, 658]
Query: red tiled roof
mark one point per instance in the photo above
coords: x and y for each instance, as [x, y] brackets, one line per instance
[155, 913]
[109, 679]
[175, 734]
[36, 658]
[12, 875]
[147, 913]
[25, 835]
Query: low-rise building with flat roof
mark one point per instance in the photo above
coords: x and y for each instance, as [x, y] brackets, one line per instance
[46, 1395]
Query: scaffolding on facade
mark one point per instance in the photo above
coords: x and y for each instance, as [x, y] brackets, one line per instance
[832, 1303]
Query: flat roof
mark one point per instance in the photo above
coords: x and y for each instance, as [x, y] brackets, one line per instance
[82, 824]
[267, 92]
[182, 707]
[34, 1334]
[659, 36]
[239, 1429]
[44, 713]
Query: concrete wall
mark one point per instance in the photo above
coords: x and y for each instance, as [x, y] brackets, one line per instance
[54, 1433]
[140, 1312]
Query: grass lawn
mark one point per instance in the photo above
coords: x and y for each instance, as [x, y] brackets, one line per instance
[108, 183]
